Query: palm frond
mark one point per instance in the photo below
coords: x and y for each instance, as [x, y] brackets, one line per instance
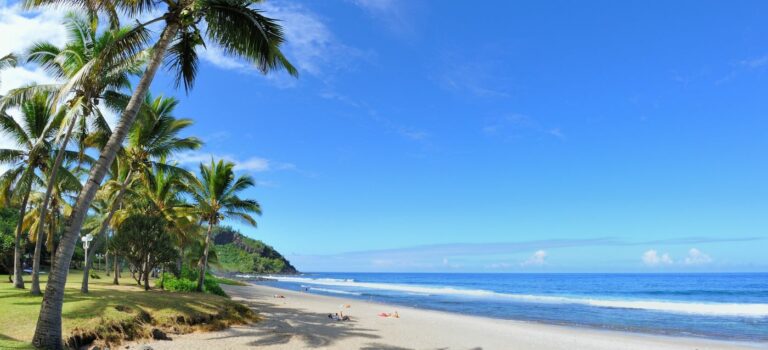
[244, 32]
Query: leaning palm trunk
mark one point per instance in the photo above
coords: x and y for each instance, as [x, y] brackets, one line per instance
[103, 230]
[204, 263]
[18, 271]
[48, 331]
[35, 289]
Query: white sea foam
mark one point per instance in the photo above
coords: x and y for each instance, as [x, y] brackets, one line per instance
[335, 291]
[700, 308]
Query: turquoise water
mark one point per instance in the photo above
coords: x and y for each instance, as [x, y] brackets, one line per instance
[720, 306]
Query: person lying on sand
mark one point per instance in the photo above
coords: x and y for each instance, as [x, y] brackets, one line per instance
[392, 315]
[280, 296]
[338, 317]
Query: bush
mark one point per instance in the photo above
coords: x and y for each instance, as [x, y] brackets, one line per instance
[188, 282]
[211, 286]
[173, 284]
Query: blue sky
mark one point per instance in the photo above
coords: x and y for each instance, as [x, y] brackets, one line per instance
[497, 136]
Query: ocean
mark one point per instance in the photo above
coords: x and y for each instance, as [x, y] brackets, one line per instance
[732, 306]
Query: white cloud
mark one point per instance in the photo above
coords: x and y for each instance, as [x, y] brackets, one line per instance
[697, 257]
[537, 259]
[27, 28]
[252, 164]
[19, 76]
[652, 258]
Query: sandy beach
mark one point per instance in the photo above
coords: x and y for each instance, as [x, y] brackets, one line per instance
[300, 321]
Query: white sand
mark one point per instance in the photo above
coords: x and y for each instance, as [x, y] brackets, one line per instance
[300, 321]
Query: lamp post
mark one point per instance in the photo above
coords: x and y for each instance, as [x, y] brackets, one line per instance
[86, 243]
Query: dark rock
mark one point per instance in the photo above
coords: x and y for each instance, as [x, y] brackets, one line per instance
[159, 335]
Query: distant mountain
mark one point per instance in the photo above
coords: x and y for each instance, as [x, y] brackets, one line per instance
[238, 253]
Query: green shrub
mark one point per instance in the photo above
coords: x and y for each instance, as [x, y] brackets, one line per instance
[188, 282]
[211, 286]
[173, 284]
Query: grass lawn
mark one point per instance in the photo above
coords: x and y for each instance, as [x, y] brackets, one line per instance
[106, 306]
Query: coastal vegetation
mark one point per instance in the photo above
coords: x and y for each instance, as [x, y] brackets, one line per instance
[237, 253]
[74, 177]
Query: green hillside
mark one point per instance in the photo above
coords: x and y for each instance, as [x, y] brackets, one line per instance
[237, 253]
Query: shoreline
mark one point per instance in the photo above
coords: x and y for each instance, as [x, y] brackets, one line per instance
[300, 321]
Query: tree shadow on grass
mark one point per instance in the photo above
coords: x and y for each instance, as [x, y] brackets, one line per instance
[186, 304]
[9, 343]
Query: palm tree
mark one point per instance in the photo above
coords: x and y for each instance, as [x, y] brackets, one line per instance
[154, 136]
[164, 191]
[234, 25]
[33, 135]
[95, 66]
[216, 198]
[65, 184]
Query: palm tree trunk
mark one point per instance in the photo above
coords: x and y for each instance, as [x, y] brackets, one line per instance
[116, 262]
[146, 273]
[204, 264]
[106, 254]
[48, 331]
[35, 289]
[103, 230]
[88, 265]
[180, 261]
[18, 270]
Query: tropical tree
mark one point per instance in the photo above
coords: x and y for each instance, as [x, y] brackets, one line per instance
[94, 67]
[234, 25]
[215, 195]
[34, 135]
[154, 136]
[143, 241]
[67, 184]
[164, 190]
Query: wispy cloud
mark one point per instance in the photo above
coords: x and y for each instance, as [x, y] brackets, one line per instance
[393, 13]
[514, 126]
[755, 62]
[374, 115]
[252, 164]
[479, 78]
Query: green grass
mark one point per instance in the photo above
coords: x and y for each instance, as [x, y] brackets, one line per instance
[107, 304]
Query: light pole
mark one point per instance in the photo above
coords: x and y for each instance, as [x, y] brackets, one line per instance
[86, 243]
